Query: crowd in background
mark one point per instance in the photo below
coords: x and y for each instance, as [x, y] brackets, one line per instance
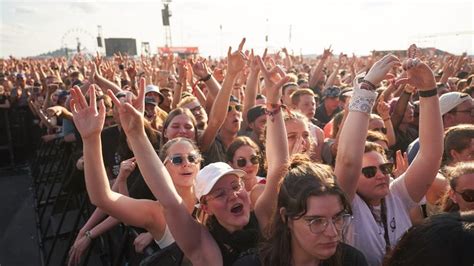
[271, 159]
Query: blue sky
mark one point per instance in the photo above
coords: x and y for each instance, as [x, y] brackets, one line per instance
[33, 27]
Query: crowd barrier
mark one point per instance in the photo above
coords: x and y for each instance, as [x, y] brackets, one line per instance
[63, 207]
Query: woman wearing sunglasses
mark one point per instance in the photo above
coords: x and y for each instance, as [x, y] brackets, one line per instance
[460, 196]
[181, 160]
[381, 205]
[310, 223]
[244, 154]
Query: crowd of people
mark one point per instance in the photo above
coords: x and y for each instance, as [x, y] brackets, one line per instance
[271, 159]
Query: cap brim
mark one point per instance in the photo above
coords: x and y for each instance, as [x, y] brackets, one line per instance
[239, 173]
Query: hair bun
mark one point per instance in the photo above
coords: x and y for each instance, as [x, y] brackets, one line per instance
[298, 160]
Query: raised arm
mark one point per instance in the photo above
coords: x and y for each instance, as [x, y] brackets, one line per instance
[276, 143]
[318, 72]
[354, 129]
[193, 238]
[251, 87]
[236, 62]
[205, 74]
[383, 109]
[103, 83]
[421, 173]
[89, 122]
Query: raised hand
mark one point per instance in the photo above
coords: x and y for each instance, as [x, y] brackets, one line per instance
[274, 80]
[131, 109]
[88, 120]
[418, 73]
[54, 110]
[253, 62]
[182, 71]
[401, 163]
[200, 68]
[383, 109]
[380, 69]
[236, 60]
[127, 167]
[327, 52]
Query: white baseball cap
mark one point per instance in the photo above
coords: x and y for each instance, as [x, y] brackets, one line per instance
[450, 100]
[210, 174]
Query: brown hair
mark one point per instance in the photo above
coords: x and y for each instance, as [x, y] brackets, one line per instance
[240, 142]
[174, 113]
[454, 173]
[303, 180]
[167, 146]
[374, 136]
[457, 138]
[296, 95]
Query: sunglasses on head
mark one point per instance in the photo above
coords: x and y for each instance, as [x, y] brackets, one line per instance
[178, 159]
[242, 162]
[236, 107]
[371, 171]
[467, 195]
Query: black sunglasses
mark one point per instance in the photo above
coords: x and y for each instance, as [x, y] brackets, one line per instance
[371, 171]
[237, 107]
[467, 195]
[242, 162]
[178, 159]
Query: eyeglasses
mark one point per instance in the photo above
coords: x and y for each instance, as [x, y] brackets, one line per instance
[223, 193]
[380, 129]
[236, 107]
[242, 162]
[178, 159]
[320, 224]
[467, 195]
[371, 171]
[470, 111]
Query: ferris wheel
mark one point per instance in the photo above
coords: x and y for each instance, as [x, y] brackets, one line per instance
[78, 39]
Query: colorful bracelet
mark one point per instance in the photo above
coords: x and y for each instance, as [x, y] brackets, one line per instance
[429, 93]
[273, 109]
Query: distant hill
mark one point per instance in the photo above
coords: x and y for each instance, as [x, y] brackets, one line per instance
[57, 53]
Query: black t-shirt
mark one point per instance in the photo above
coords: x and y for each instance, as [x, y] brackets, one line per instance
[350, 257]
[236, 244]
[323, 117]
[215, 153]
[110, 141]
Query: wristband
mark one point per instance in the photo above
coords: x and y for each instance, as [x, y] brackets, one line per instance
[371, 85]
[206, 78]
[362, 100]
[273, 109]
[429, 93]
[386, 119]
